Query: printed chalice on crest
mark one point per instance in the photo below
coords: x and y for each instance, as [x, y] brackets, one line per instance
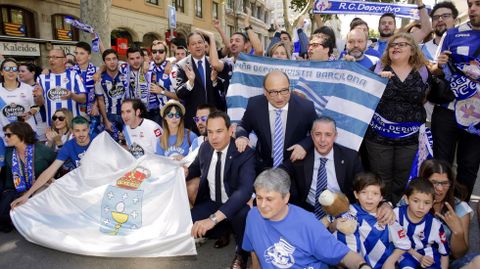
[119, 217]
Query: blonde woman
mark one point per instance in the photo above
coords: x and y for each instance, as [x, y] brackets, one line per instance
[60, 131]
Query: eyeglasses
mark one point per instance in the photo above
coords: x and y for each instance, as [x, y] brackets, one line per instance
[399, 44]
[55, 57]
[315, 45]
[443, 184]
[443, 16]
[60, 118]
[10, 68]
[198, 119]
[273, 93]
[8, 135]
[176, 115]
[158, 51]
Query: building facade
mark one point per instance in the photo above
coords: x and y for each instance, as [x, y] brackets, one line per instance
[29, 29]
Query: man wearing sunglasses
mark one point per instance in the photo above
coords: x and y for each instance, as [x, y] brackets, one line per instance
[141, 135]
[61, 87]
[200, 120]
[161, 85]
[281, 121]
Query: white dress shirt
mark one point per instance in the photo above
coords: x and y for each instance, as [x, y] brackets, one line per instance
[211, 175]
[272, 114]
[332, 183]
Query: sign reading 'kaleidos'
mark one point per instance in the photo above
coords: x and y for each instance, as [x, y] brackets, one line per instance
[19, 48]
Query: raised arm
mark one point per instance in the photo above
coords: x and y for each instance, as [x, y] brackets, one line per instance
[426, 28]
[254, 40]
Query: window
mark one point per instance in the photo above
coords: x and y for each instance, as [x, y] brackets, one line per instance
[198, 8]
[230, 30]
[63, 30]
[179, 6]
[230, 4]
[215, 10]
[16, 21]
[152, 2]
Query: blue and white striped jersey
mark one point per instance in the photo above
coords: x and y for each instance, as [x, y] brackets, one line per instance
[56, 86]
[374, 242]
[113, 91]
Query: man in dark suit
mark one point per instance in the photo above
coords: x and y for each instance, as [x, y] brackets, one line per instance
[226, 183]
[326, 166]
[281, 120]
[195, 84]
[341, 166]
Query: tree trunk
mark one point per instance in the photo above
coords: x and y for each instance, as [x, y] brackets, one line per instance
[288, 27]
[96, 14]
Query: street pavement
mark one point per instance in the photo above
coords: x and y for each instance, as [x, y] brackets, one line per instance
[17, 253]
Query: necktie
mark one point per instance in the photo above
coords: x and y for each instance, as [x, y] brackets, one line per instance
[278, 139]
[321, 186]
[218, 178]
[201, 72]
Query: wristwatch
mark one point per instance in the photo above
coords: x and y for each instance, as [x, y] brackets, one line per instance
[249, 27]
[364, 266]
[421, 6]
[213, 218]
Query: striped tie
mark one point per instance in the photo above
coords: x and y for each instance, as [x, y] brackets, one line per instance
[321, 186]
[278, 139]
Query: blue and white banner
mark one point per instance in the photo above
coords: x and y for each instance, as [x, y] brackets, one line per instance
[112, 205]
[345, 91]
[87, 29]
[424, 152]
[367, 8]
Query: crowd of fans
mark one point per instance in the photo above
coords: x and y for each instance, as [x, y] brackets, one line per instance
[266, 193]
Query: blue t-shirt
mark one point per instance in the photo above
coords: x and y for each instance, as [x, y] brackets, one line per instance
[380, 47]
[297, 241]
[72, 151]
[173, 150]
[367, 61]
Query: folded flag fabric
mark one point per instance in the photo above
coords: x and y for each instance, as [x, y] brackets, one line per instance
[112, 205]
[345, 91]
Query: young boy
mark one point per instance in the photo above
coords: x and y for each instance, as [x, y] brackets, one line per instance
[381, 246]
[429, 247]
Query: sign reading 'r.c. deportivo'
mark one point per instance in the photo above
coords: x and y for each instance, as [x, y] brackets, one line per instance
[19, 48]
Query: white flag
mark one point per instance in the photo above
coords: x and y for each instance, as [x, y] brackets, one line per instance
[112, 205]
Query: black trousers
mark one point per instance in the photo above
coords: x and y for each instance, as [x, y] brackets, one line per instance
[446, 134]
[203, 210]
[6, 198]
[392, 164]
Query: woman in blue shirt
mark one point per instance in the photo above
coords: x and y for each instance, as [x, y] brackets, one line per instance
[176, 139]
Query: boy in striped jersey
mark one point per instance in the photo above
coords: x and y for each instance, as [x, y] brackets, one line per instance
[381, 246]
[426, 234]
[61, 87]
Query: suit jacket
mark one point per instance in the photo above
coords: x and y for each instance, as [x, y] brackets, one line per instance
[347, 165]
[238, 177]
[198, 95]
[301, 114]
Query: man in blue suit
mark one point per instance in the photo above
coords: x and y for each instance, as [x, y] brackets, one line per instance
[226, 183]
[281, 120]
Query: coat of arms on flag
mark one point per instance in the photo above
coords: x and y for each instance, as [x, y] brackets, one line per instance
[122, 204]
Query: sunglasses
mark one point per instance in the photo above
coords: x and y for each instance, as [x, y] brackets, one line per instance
[8, 135]
[158, 51]
[199, 119]
[10, 68]
[176, 115]
[60, 118]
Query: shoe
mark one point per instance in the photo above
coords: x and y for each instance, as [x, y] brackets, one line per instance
[238, 262]
[222, 241]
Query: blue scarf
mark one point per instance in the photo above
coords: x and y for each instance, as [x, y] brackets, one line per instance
[89, 83]
[86, 28]
[23, 175]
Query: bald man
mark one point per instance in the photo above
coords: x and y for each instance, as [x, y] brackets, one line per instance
[356, 47]
[281, 120]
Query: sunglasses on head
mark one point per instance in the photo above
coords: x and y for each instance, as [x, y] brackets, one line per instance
[10, 68]
[158, 51]
[176, 115]
[198, 119]
[9, 135]
[60, 118]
